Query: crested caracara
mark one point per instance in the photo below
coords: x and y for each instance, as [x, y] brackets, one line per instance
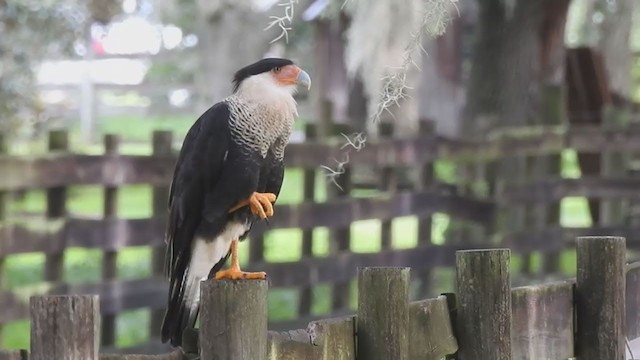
[228, 174]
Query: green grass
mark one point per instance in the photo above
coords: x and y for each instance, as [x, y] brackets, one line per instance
[84, 265]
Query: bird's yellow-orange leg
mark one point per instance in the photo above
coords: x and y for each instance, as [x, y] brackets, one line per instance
[234, 272]
[260, 203]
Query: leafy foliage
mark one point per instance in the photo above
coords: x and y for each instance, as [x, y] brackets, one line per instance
[31, 30]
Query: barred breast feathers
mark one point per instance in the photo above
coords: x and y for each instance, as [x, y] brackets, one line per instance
[260, 124]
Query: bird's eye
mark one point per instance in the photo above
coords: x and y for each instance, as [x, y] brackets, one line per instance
[277, 69]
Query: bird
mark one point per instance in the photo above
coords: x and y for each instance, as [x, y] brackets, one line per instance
[228, 175]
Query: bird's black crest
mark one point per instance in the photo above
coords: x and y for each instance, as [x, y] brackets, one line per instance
[259, 67]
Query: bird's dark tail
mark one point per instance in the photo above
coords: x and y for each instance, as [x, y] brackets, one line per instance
[182, 308]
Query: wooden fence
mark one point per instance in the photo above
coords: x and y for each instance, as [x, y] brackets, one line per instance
[485, 319]
[489, 205]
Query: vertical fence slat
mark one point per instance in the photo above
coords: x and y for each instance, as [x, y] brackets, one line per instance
[109, 258]
[554, 113]
[56, 207]
[309, 190]
[162, 146]
[425, 224]
[65, 327]
[483, 291]
[233, 320]
[340, 239]
[388, 183]
[383, 313]
[600, 298]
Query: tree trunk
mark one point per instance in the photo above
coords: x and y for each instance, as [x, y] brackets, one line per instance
[615, 45]
[517, 51]
[486, 76]
[231, 36]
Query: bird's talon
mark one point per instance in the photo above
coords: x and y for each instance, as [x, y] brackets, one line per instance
[236, 274]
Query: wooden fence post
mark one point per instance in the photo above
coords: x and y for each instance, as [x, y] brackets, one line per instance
[309, 192]
[340, 238]
[600, 298]
[109, 257]
[162, 146]
[65, 327]
[483, 291]
[233, 320]
[383, 313]
[56, 207]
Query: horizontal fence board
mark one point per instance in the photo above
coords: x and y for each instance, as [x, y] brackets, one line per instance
[557, 238]
[303, 321]
[44, 171]
[431, 331]
[14, 355]
[542, 323]
[53, 236]
[323, 339]
[536, 141]
[119, 295]
[632, 300]
[342, 267]
[53, 170]
[115, 296]
[551, 190]
[338, 213]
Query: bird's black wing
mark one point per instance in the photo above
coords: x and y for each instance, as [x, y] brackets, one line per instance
[214, 172]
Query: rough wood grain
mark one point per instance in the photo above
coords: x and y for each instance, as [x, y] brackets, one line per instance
[600, 298]
[383, 313]
[233, 320]
[430, 331]
[632, 301]
[542, 323]
[483, 324]
[65, 327]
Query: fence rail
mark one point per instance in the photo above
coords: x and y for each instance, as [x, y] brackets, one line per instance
[506, 191]
[484, 320]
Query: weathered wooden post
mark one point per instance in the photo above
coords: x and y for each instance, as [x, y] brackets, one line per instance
[383, 313]
[65, 327]
[600, 298]
[483, 291]
[233, 320]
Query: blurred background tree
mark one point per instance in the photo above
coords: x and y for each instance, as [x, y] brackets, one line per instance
[23, 45]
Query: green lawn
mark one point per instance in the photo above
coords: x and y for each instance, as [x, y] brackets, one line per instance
[81, 265]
